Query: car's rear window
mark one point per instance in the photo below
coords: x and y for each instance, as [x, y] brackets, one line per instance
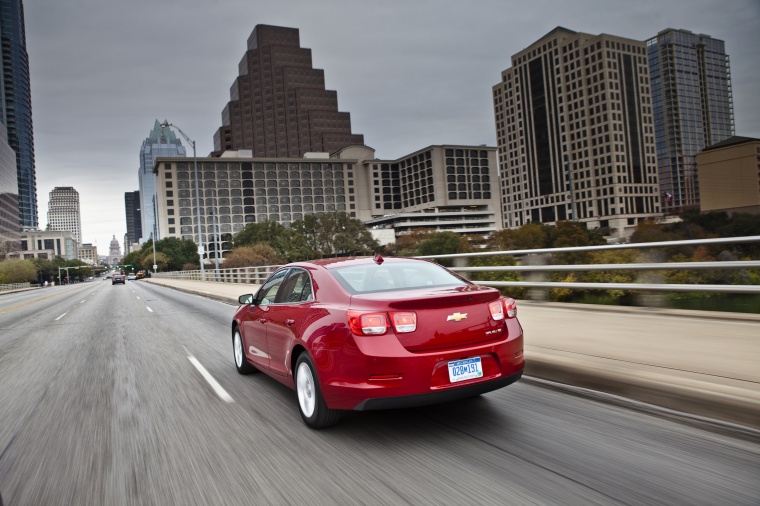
[368, 278]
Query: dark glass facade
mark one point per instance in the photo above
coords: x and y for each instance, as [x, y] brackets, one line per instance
[16, 103]
[279, 106]
[134, 225]
[10, 226]
[692, 107]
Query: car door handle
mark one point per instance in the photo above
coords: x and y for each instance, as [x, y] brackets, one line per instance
[290, 321]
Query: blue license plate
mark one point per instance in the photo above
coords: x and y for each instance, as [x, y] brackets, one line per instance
[469, 368]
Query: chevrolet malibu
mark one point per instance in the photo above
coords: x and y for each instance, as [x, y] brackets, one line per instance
[373, 333]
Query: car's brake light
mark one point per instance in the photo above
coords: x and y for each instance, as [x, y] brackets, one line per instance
[367, 323]
[506, 307]
[497, 310]
[404, 322]
[511, 307]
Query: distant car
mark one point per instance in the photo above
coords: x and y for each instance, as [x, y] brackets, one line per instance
[140, 275]
[372, 333]
[131, 277]
[118, 278]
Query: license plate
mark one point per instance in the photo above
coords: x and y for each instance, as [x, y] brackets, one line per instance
[460, 370]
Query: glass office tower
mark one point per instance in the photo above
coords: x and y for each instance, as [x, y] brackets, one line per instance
[160, 142]
[692, 108]
[16, 102]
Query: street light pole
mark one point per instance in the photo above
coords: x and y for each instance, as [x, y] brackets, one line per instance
[201, 249]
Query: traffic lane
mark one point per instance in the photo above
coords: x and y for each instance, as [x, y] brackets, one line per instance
[30, 301]
[673, 342]
[118, 407]
[665, 470]
[174, 441]
[53, 406]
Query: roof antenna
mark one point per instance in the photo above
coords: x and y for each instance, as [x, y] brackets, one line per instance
[378, 259]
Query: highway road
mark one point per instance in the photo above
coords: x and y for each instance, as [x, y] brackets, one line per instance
[105, 399]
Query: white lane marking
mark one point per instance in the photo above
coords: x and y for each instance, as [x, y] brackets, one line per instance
[148, 308]
[82, 302]
[138, 297]
[221, 392]
[64, 314]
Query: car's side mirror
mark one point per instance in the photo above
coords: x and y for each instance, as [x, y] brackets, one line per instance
[246, 299]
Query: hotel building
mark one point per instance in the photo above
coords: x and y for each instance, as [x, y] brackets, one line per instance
[575, 133]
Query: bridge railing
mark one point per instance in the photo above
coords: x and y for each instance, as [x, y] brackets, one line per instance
[545, 265]
[257, 275]
[14, 286]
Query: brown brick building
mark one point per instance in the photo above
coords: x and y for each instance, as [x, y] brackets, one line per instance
[279, 106]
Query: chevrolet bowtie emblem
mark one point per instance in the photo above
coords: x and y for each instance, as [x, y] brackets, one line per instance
[456, 317]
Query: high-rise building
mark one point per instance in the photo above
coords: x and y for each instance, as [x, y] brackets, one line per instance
[692, 107]
[10, 222]
[134, 225]
[160, 142]
[575, 133]
[16, 106]
[279, 106]
[63, 211]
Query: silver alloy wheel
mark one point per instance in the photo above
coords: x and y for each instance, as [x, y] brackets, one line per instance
[307, 397]
[238, 350]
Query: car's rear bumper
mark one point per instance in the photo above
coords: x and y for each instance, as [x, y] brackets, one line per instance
[377, 373]
[453, 394]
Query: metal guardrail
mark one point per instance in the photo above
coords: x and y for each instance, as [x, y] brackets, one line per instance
[14, 286]
[257, 275]
[247, 275]
[461, 258]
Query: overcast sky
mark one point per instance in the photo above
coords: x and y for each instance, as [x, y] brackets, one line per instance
[411, 72]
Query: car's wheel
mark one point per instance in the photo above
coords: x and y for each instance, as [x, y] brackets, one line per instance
[311, 404]
[242, 365]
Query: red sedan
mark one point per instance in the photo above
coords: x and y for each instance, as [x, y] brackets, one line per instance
[373, 333]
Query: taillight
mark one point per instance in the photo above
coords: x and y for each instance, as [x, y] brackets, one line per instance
[511, 307]
[503, 308]
[367, 323]
[404, 322]
[497, 310]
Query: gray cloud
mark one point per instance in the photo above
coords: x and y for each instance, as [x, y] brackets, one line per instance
[411, 73]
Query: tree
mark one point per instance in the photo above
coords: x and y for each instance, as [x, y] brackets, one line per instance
[250, 256]
[268, 232]
[330, 234]
[178, 252]
[17, 271]
[443, 243]
[528, 236]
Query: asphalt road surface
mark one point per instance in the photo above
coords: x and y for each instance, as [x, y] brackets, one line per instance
[105, 399]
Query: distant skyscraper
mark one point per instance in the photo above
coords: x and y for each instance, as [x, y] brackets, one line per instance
[10, 223]
[63, 211]
[160, 142]
[134, 225]
[16, 104]
[279, 106]
[693, 108]
[575, 134]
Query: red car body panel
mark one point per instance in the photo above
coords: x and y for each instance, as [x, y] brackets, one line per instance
[393, 369]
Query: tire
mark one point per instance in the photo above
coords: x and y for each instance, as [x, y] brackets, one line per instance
[242, 365]
[311, 404]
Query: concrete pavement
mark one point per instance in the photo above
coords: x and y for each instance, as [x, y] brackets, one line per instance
[702, 363]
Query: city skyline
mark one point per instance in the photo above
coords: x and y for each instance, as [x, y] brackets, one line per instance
[415, 85]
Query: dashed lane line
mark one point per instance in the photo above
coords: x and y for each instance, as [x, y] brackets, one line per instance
[221, 392]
